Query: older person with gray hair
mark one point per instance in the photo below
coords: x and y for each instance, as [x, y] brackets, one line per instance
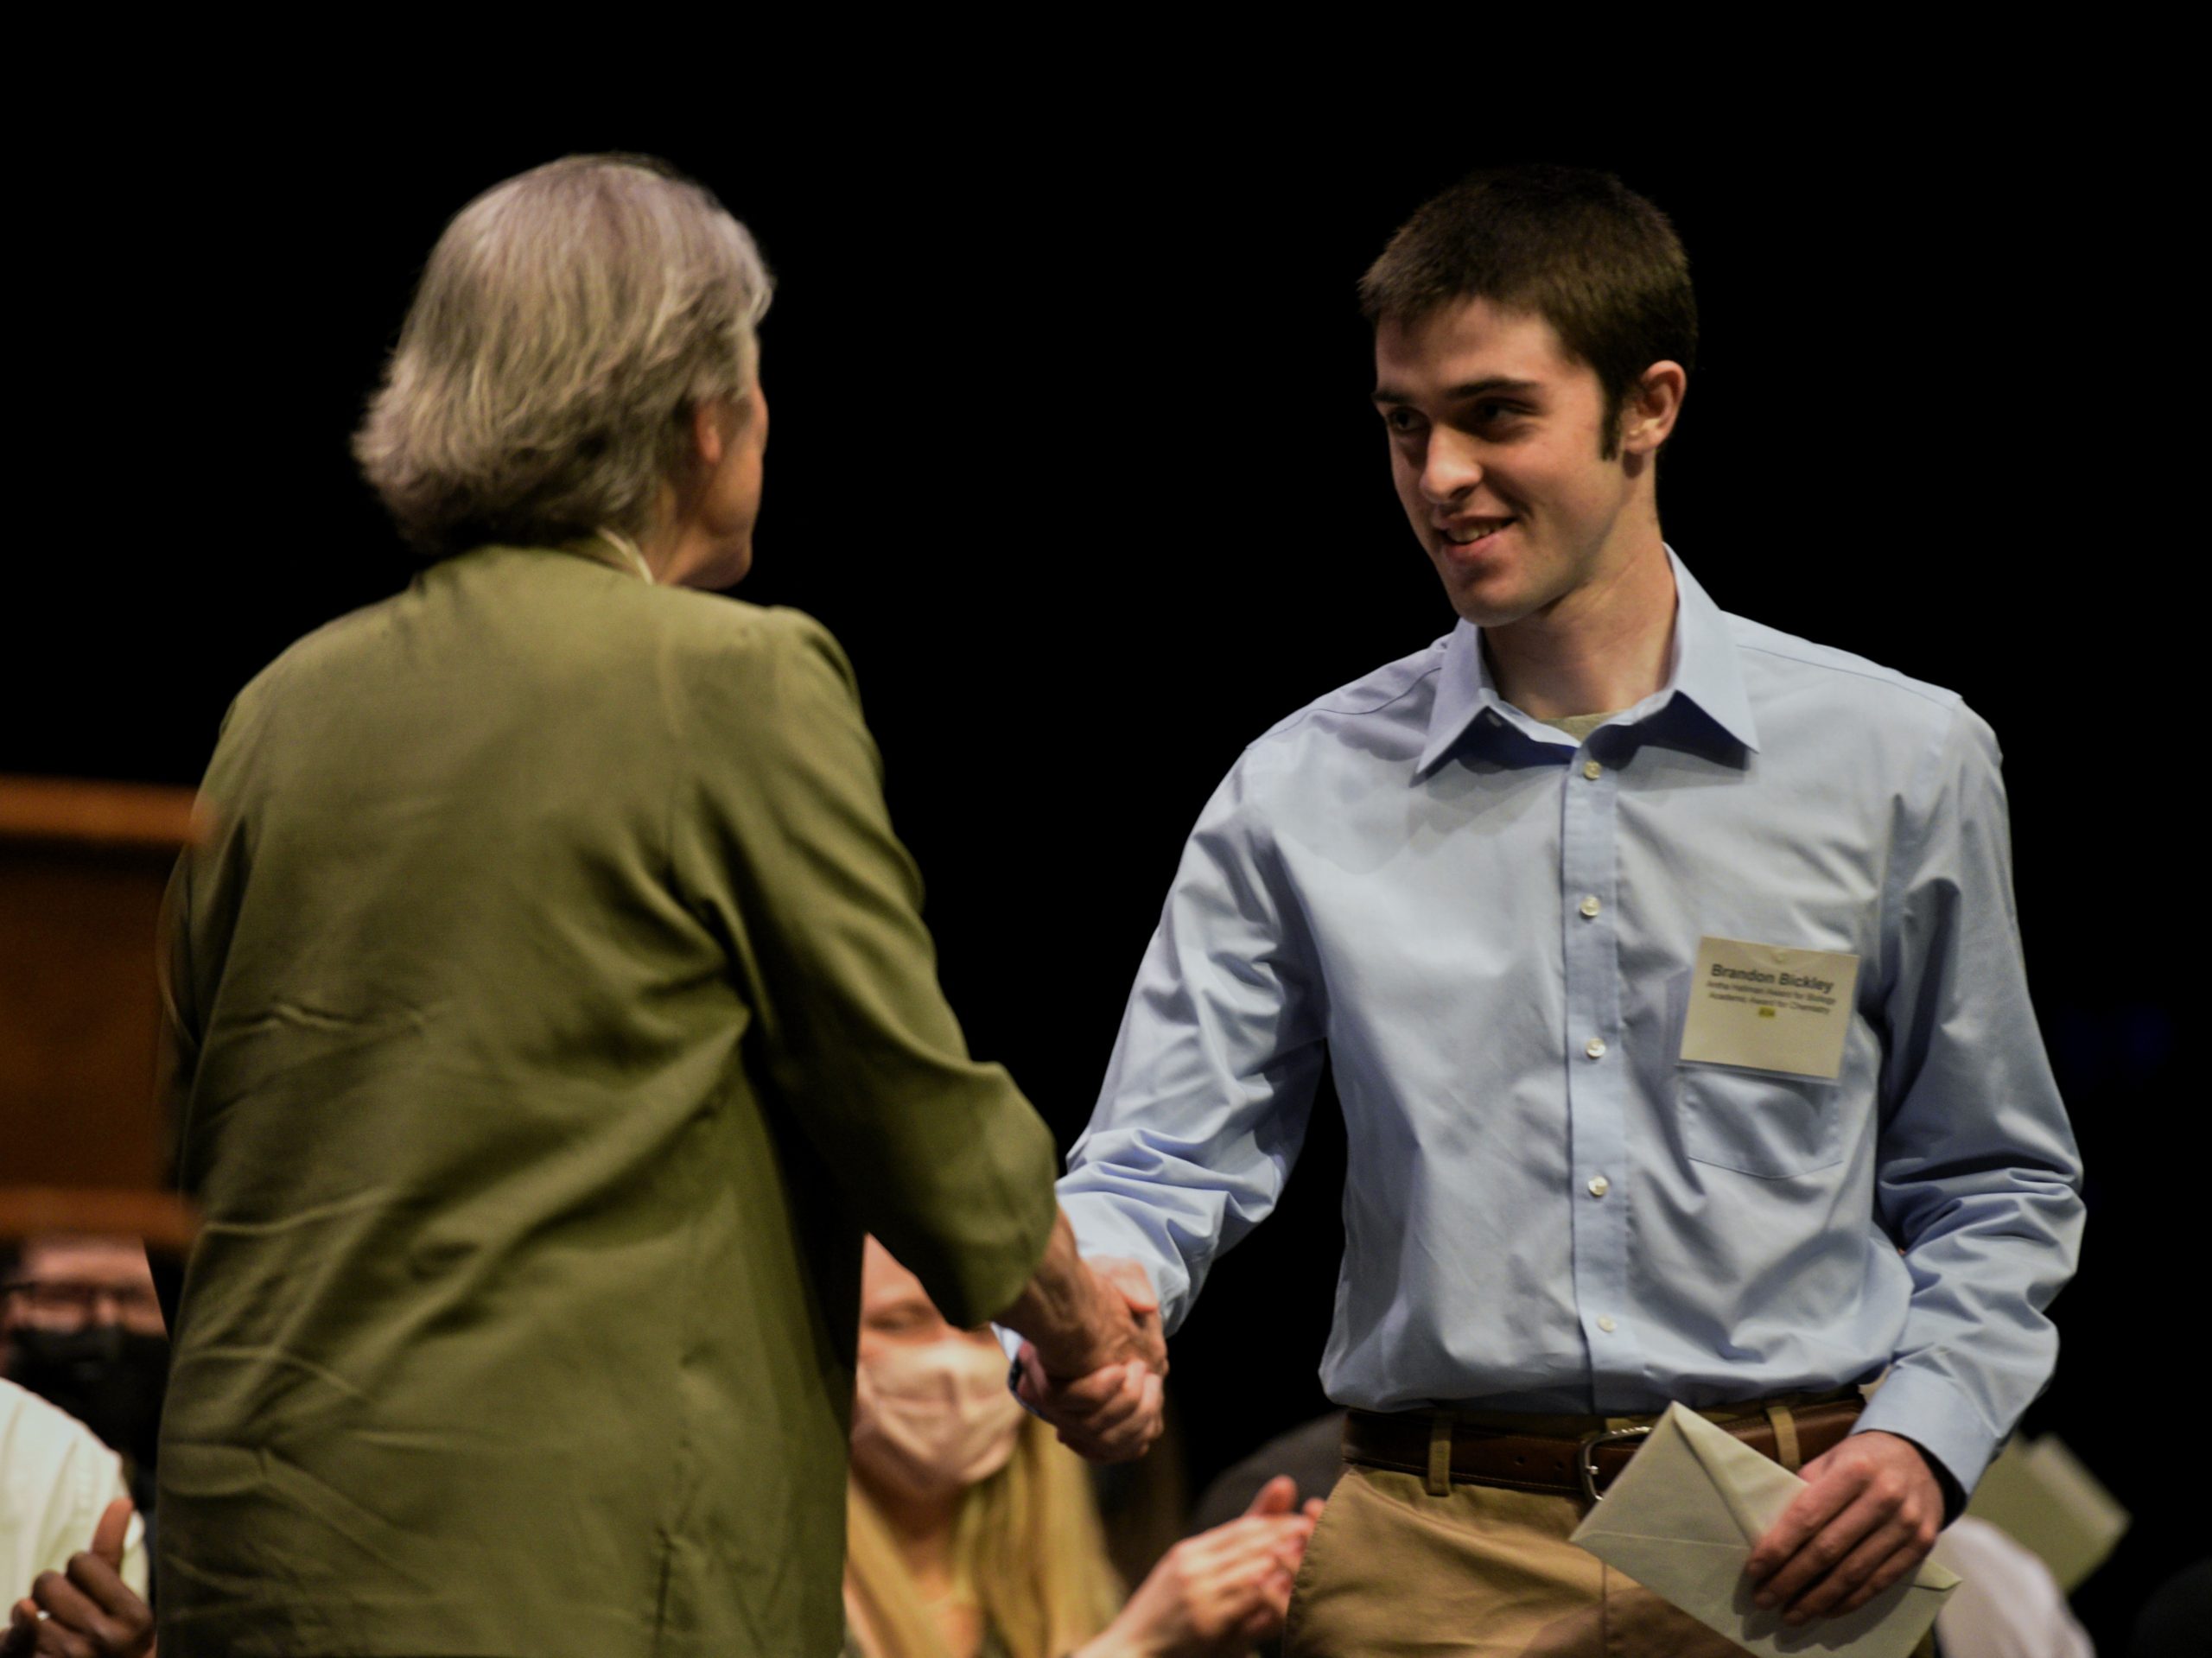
[554, 1016]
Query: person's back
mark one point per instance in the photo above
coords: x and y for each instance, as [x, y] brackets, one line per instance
[553, 1014]
[489, 1281]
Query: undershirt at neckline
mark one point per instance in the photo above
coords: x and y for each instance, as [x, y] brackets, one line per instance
[1578, 725]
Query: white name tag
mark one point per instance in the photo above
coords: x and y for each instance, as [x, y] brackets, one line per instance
[1769, 1007]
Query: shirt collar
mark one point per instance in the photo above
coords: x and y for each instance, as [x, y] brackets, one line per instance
[613, 548]
[1705, 673]
[632, 557]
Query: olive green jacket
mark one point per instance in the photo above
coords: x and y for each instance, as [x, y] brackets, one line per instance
[554, 1014]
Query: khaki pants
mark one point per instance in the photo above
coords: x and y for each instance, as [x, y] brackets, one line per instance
[1392, 1572]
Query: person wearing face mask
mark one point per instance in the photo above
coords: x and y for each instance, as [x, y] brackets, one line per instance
[58, 1486]
[80, 1326]
[83, 1356]
[971, 1534]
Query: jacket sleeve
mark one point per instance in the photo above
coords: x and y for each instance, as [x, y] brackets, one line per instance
[787, 844]
[1977, 1179]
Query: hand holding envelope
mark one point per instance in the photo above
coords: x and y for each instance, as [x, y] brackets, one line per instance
[1681, 1520]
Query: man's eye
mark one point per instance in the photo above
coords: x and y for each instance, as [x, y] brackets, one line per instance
[1400, 420]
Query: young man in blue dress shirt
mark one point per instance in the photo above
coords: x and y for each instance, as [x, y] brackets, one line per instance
[1670, 978]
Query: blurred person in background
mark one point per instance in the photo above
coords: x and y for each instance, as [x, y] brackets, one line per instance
[2174, 1622]
[2007, 1603]
[81, 1327]
[92, 1603]
[972, 1534]
[83, 1356]
[554, 1014]
[61, 1495]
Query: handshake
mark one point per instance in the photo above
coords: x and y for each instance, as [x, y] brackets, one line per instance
[1093, 1357]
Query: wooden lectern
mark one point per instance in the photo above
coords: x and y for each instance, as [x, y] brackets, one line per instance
[83, 1144]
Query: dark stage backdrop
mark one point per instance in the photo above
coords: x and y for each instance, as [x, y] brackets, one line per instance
[1070, 448]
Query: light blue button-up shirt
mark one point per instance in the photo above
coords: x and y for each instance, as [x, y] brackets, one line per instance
[1489, 931]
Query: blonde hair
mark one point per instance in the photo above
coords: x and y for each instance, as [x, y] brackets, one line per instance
[1027, 1549]
[568, 322]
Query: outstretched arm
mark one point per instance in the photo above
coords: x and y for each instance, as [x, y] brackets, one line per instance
[1203, 1111]
[1204, 1108]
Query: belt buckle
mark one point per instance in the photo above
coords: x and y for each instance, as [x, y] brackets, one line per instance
[1585, 1466]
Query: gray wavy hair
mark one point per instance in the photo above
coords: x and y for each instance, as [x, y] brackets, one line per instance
[567, 324]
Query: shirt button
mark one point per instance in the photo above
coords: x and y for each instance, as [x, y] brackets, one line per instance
[1595, 1047]
[1599, 1185]
[1489, 717]
[1591, 770]
[1590, 906]
[1606, 1324]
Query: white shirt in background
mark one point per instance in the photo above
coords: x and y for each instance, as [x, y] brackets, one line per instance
[2007, 1604]
[56, 1479]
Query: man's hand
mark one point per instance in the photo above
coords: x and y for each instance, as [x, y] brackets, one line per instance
[1085, 1315]
[1118, 1320]
[1870, 1512]
[1139, 1307]
[1115, 1412]
[90, 1612]
[1220, 1593]
[1111, 1416]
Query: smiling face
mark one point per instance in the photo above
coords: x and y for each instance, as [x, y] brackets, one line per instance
[1497, 442]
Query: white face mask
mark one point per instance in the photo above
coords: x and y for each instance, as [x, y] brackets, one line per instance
[934, 1419]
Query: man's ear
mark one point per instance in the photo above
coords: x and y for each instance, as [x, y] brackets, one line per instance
[1652, 406]
[711, 427]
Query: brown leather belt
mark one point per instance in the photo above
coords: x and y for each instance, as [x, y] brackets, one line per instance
[1482, 1455]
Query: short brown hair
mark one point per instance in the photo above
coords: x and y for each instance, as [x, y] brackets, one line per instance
[1574, 246]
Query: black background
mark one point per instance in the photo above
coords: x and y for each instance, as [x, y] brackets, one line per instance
[1070, 448]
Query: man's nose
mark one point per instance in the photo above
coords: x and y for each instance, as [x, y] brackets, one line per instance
[1451, 468]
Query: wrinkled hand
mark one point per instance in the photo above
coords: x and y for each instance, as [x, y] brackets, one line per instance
[1218, 1593]
[89, 1611]
[1115, 1412]
[1870, 1512]
[1139, 1308]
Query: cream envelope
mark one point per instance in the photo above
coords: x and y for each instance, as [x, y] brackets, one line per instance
[1681, 1519]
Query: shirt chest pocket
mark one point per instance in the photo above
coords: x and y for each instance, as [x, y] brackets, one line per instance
[1762, 1123]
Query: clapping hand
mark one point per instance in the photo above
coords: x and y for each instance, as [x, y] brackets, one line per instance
[1113, 1409]
[87, 1611]
[1222, 1592]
